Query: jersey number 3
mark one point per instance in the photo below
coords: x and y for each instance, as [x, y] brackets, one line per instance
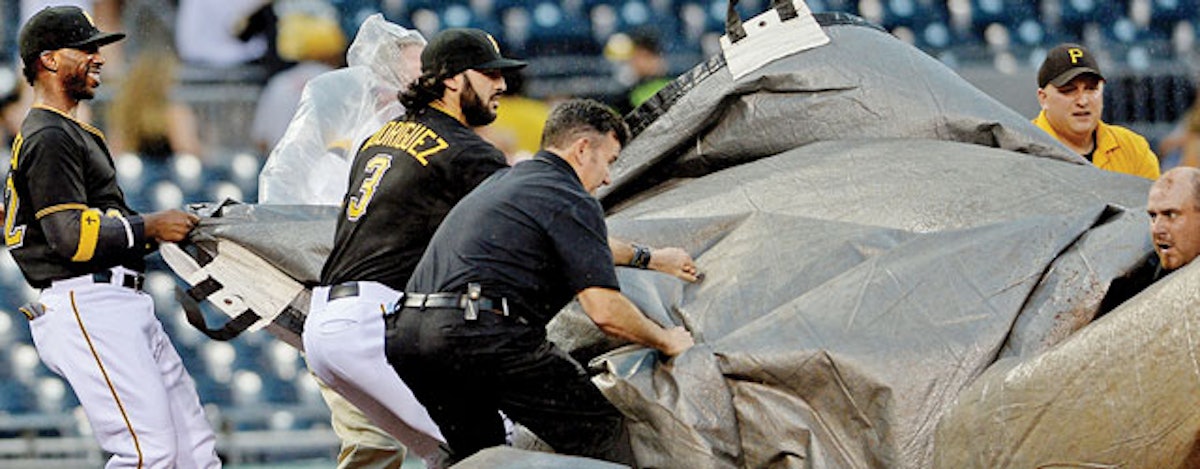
[375, 169]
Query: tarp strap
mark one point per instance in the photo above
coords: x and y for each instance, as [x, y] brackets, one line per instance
[195, 317]
[204, 289]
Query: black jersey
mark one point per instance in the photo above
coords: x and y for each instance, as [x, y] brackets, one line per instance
[404, 180]
[532, 235]
[62, 169]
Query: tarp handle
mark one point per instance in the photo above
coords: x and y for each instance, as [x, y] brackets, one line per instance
[733, 22]
[190, 300]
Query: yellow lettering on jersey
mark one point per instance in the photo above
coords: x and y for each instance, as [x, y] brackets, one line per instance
[89, 235]
[375, 169]
[439, 146]
[418, 141]
[410, 132]
[14, 235]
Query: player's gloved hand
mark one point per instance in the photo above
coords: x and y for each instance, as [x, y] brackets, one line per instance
[675, 261]
[169, 225]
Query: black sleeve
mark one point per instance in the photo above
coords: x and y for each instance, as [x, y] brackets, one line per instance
[580, 238]
[88, 235]
[474, 164]
[52, 164]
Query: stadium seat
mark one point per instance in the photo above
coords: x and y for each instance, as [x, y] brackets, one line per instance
[1077, 13]
[218, 360]
[27, 367]
[1165, 13]
[222, 190]
[52, 395]
[17, 398]
[187, 171]
[165, 195]
[553, 32]
[247, 388]
[515, 23]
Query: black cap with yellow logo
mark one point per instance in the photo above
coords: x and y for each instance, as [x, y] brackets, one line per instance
[1064, 63]
[58, 28]
[453, 51]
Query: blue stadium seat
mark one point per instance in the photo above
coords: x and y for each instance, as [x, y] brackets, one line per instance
[553, 32]
[277, 391]
[210, 390]
[1077, 13]
[16, 398]
[1164, 13]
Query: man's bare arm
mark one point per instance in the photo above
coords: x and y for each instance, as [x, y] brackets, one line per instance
[619, 317]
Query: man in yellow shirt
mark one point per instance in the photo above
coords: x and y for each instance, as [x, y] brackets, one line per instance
[1071, 93]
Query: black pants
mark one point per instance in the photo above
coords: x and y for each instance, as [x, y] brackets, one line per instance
[464, 371]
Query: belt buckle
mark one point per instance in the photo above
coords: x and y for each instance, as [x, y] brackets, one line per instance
[474, 292]
[134, 281]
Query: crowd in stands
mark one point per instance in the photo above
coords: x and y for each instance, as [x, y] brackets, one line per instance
[195, 99]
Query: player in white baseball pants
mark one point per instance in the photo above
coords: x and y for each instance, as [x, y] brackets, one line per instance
[343, 345]
[104, 339]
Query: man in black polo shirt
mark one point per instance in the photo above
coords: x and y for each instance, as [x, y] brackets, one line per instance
[471, 339]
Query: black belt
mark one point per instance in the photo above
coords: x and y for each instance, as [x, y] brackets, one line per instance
[128, 280]
[454, 300]
[429, 300]
[343, 290]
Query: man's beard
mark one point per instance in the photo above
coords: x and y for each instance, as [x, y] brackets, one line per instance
[475, 111]
[76, 87]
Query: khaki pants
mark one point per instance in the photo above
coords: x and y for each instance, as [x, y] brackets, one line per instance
[363, 444]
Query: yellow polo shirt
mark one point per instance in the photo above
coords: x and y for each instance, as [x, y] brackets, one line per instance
[1117, 149]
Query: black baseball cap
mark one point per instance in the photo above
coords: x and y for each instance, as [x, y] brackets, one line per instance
[455, 50]
[1065, 62]
[61, 27]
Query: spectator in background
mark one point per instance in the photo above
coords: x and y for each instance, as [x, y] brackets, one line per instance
[338, 110]
[1184, 138]
[12, 107]
[1071, 93]
[318, 44]
[648, 69]
[144, 119]
[206, 32]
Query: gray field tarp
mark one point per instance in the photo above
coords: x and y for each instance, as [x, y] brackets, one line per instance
[886, 249]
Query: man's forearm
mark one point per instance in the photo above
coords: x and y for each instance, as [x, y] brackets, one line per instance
[619, 317]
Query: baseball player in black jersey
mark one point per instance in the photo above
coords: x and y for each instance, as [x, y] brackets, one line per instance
[68, 227]
[403, 181]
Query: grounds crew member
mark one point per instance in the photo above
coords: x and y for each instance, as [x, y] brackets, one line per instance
[1071, 93]
[73, 236]
[470, 337]
[1174, 209]
[403, 181]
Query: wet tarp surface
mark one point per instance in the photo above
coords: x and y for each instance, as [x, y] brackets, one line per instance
[885, 248]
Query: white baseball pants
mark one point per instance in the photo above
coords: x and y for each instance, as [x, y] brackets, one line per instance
[344, 347]
[142, 405]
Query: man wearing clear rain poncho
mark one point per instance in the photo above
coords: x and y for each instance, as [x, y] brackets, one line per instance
[309, 166]
[333, 118]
